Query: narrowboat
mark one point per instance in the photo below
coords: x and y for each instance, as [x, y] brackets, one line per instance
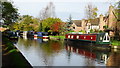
[42, 35]
[97, 38]
[10, 34]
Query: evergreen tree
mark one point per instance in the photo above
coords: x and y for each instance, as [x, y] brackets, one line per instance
[9, 14]
[69, 23]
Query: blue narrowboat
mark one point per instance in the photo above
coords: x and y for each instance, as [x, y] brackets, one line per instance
[43, 35]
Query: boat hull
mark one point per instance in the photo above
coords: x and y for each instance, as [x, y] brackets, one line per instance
[88, 44]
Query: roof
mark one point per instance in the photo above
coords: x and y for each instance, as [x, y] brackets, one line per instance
[77, 22]
[94, 21]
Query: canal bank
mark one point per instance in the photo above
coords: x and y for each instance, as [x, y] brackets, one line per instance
[11, 57]
[115, 44]
[56, 37]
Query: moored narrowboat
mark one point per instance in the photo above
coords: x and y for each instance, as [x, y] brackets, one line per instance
[97, 38]
[42, 35]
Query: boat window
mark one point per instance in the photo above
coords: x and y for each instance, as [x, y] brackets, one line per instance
[100, 38]
[68, 36]
[88, 26]
[44, 33]
[71, 36]
[77, 37]
[91, 37]
[38, 33]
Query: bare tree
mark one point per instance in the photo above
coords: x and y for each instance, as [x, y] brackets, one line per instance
[91, 11]
[48, 11]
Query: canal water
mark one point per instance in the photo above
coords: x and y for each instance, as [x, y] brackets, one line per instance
[39, 52]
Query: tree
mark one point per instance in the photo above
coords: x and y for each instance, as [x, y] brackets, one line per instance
[56, 27]
[48, 11]
[9, 14]
[47, 23]
[69, 23]
[27, 23]
[91, 11]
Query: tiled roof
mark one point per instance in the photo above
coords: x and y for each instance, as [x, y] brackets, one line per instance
[94, 21]
[77, 22]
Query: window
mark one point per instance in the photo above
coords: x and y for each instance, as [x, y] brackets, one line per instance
[68, 36]
[88, 26]
[100, 38]
[77, 37]
[71, 36]
[73, 27]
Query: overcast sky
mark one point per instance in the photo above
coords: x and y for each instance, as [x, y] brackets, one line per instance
[63, 8]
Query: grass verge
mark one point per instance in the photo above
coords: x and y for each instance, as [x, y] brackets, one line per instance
[60, 37]
[115, 42]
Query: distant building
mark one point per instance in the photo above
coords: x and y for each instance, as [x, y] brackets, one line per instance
[95, 24]
[2, 29]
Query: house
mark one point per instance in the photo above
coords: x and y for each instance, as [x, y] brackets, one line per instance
[77, 25]
[2, 29]
[87, 25]
[95, 24]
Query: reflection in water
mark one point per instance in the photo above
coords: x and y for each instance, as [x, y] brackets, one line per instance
[114, 59]
[90, 55]
[41, 52]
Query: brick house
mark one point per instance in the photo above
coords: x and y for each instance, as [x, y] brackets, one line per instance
[97, 23]
[77, 25]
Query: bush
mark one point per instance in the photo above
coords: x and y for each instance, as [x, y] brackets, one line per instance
[100, 31]
[91, 31]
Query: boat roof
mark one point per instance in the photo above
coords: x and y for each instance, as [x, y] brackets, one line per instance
[86, 34]
[42, 32]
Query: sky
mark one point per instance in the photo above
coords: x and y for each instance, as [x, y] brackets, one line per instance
[63, 8]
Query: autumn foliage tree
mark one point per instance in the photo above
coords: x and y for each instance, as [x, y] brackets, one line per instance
[56, 27]
[48, 23]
